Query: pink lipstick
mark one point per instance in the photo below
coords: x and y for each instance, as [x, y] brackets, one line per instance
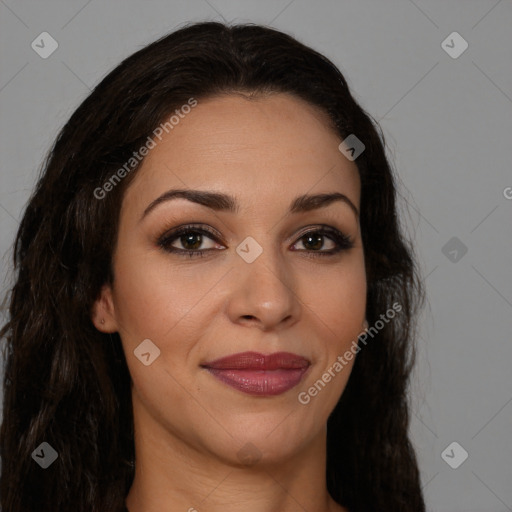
[259, 374]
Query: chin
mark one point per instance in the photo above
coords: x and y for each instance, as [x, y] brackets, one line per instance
[267, 441]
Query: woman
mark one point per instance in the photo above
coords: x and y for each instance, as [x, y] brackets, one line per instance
[215, 304]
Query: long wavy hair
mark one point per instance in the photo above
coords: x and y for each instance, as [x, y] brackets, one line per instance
[68, 384]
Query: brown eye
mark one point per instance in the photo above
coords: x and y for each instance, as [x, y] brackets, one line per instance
[190, 238]
[314, 241]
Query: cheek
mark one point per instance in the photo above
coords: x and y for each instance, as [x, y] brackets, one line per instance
[154, 296]
[337, 305]
[165, 303]
[338, 299]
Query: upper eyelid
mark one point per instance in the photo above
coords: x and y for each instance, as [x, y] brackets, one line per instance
[173, 232]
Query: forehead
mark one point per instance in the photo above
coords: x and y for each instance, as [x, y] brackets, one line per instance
[276, 145]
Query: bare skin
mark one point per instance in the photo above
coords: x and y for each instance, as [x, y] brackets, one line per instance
[189, 426]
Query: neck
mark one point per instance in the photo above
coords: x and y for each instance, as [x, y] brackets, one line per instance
[172, 475]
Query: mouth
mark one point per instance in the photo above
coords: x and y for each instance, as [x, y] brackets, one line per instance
[258, 374]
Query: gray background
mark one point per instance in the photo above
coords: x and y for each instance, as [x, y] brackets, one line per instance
[448, 125]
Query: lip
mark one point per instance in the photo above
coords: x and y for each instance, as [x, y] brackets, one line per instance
[259, 374]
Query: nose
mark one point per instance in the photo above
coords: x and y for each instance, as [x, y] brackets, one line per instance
[263, 293]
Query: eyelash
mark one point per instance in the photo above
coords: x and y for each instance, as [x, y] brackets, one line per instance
[343, 241]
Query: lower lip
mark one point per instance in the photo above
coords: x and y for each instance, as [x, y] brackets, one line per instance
[260, 382]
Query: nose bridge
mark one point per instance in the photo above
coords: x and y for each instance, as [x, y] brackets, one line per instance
[263, 286]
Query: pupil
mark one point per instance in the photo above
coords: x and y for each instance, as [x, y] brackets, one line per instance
[188, 240]
[318, 244]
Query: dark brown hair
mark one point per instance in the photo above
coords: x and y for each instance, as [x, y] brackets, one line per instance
[68, 384]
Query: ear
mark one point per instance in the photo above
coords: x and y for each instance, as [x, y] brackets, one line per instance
[103, 311]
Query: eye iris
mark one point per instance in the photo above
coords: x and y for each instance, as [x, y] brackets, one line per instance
[189, 239]
[317, 241]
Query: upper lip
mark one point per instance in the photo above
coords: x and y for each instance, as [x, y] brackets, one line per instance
[257, 361]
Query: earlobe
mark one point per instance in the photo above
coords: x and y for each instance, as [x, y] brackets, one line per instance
[103, 312]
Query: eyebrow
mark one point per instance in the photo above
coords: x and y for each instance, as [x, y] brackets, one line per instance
[223, 202]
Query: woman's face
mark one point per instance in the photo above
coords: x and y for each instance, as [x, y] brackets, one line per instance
[275, 275]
